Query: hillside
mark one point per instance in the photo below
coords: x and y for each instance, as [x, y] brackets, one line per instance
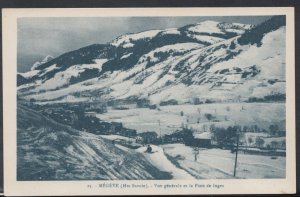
[143, 65]
[48, 150]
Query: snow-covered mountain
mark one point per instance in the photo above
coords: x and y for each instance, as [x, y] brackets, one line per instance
[209, 60]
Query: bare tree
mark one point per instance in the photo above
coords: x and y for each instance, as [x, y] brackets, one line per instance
[196, 152]
[259, 142]
[250, 140]
[274, 144]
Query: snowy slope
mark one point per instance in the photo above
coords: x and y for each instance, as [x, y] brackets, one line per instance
[48, 150]
[208, 60]
[62, 78]
[128, 43]
[126, 40]
[157, 158]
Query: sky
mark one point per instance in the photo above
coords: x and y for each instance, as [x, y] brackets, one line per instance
[42, 36]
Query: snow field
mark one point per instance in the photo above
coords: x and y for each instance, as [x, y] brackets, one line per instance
[226, 114]
[218, 163]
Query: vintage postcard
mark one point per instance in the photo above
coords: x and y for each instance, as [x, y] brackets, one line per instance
[149, 101]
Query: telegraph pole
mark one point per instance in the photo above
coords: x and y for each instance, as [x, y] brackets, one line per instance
[160, 131]
[236, 153]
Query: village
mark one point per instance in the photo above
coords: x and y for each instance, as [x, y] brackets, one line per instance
[197, 139]
[85, 116]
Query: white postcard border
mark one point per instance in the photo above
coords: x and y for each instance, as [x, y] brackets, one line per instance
[230, 186]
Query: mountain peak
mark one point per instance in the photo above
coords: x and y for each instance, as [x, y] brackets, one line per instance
[215, 27]
[125, 40]
[35, 65]
[205, 27]
[47, 59]
[208, 22]
[38, 63]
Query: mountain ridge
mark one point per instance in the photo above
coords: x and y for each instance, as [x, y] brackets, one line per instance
[175, 58]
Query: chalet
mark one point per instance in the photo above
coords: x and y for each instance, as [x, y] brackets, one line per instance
[179, 136]
[202, 140]
[128, 132]
[149, 136]
[173, 138]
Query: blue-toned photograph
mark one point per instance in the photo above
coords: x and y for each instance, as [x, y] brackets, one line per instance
[151, 98]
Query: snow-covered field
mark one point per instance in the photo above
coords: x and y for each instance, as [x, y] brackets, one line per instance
[178, 161]
[168, 118]
[219, 164]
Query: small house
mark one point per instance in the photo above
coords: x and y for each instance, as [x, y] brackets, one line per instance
[128, 132]
[202, 140]
[173, 139]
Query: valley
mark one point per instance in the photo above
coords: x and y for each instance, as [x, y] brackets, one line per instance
[199, 95]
